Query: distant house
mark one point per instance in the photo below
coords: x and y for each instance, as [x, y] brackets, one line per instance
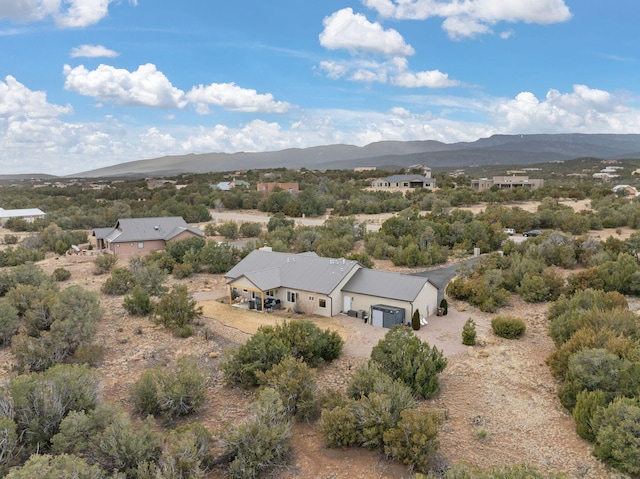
[627, 190]
[140, 236]
[312, 284]
[404, 181]
[229, 185]
[506, 183]
[28, 214]
[266, 188]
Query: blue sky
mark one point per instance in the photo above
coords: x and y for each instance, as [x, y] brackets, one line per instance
[91, 83]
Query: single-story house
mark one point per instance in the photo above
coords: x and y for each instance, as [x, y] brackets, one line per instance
[311, 284]
[28, 214]
[267, 188]
[404, 181]
[139, 236]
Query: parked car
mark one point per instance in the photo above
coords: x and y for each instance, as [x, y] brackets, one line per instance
[510, 231]
[527, 234]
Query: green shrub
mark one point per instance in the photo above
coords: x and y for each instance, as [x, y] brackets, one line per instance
[120, 282]
[271, 344]
[183, 270]
[229, 230]
[10, 239]
[590, 369]
[587, 405]
[415, 320]
[444, 304]
[367, 379]
[177, 309]
[414, 441]
[618, 430]
[508, 327]
[295, 382]
[8, 444]
[41, 401]
[174, 392]
[109, 438]
[469, 333]
[262, 442]
[61, 274]
[103, 263]
[62, 466]
[9, 322]
[339, 426]
[402, 355]
[138, 303]
[187, 453]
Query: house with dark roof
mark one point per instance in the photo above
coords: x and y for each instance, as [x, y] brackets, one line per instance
[140, 236]
[310, 284]
[403, 182]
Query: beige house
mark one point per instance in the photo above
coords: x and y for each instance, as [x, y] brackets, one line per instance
[140, 236]
[506, 183]
[310, 284]
[404, 181]
[266, 188]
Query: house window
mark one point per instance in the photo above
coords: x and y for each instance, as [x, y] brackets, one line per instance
[271, 293]
[140, 245]
[311, 298]
[291, 297]
[322, 303]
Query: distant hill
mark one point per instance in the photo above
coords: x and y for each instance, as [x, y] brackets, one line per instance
[495, 150]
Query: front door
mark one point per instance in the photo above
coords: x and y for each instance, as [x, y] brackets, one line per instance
[347, 304]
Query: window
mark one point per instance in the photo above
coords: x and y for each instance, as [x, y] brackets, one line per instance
[322, 303]
[291, 297]
[270, 293]
[311, 298]
[140, 245]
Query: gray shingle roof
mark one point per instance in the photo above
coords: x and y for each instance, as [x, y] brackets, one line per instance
[148, 229]
[386, 284]
[304, 272]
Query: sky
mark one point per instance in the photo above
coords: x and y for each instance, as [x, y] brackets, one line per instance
[86, 84]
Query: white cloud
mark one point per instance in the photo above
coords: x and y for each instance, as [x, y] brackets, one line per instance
[584, 110]
[18, 102]
[232, 97]
[93, 51]
[353, 32]
[144, 87]
[430, 79]
[65, 13]
[472, 17]
[394, 71]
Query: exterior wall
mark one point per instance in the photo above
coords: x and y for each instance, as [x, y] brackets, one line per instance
[426, 302]
[129, 249]
[28, 219]
[506, 182]
[481, 184]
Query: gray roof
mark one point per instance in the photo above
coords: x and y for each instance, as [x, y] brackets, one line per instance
[147, 229]
[386, 284]
[397, 178]
[304, 272]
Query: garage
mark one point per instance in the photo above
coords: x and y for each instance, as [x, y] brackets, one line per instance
[386, 316]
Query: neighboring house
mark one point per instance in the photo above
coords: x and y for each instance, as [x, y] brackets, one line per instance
[312, 284]
[139, 236]
[229, 185]
[266, 188]
[28, 214]
[404, 181]
[506, 183]
[629, 190]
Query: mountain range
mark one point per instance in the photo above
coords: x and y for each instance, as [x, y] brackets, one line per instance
[495, 150]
